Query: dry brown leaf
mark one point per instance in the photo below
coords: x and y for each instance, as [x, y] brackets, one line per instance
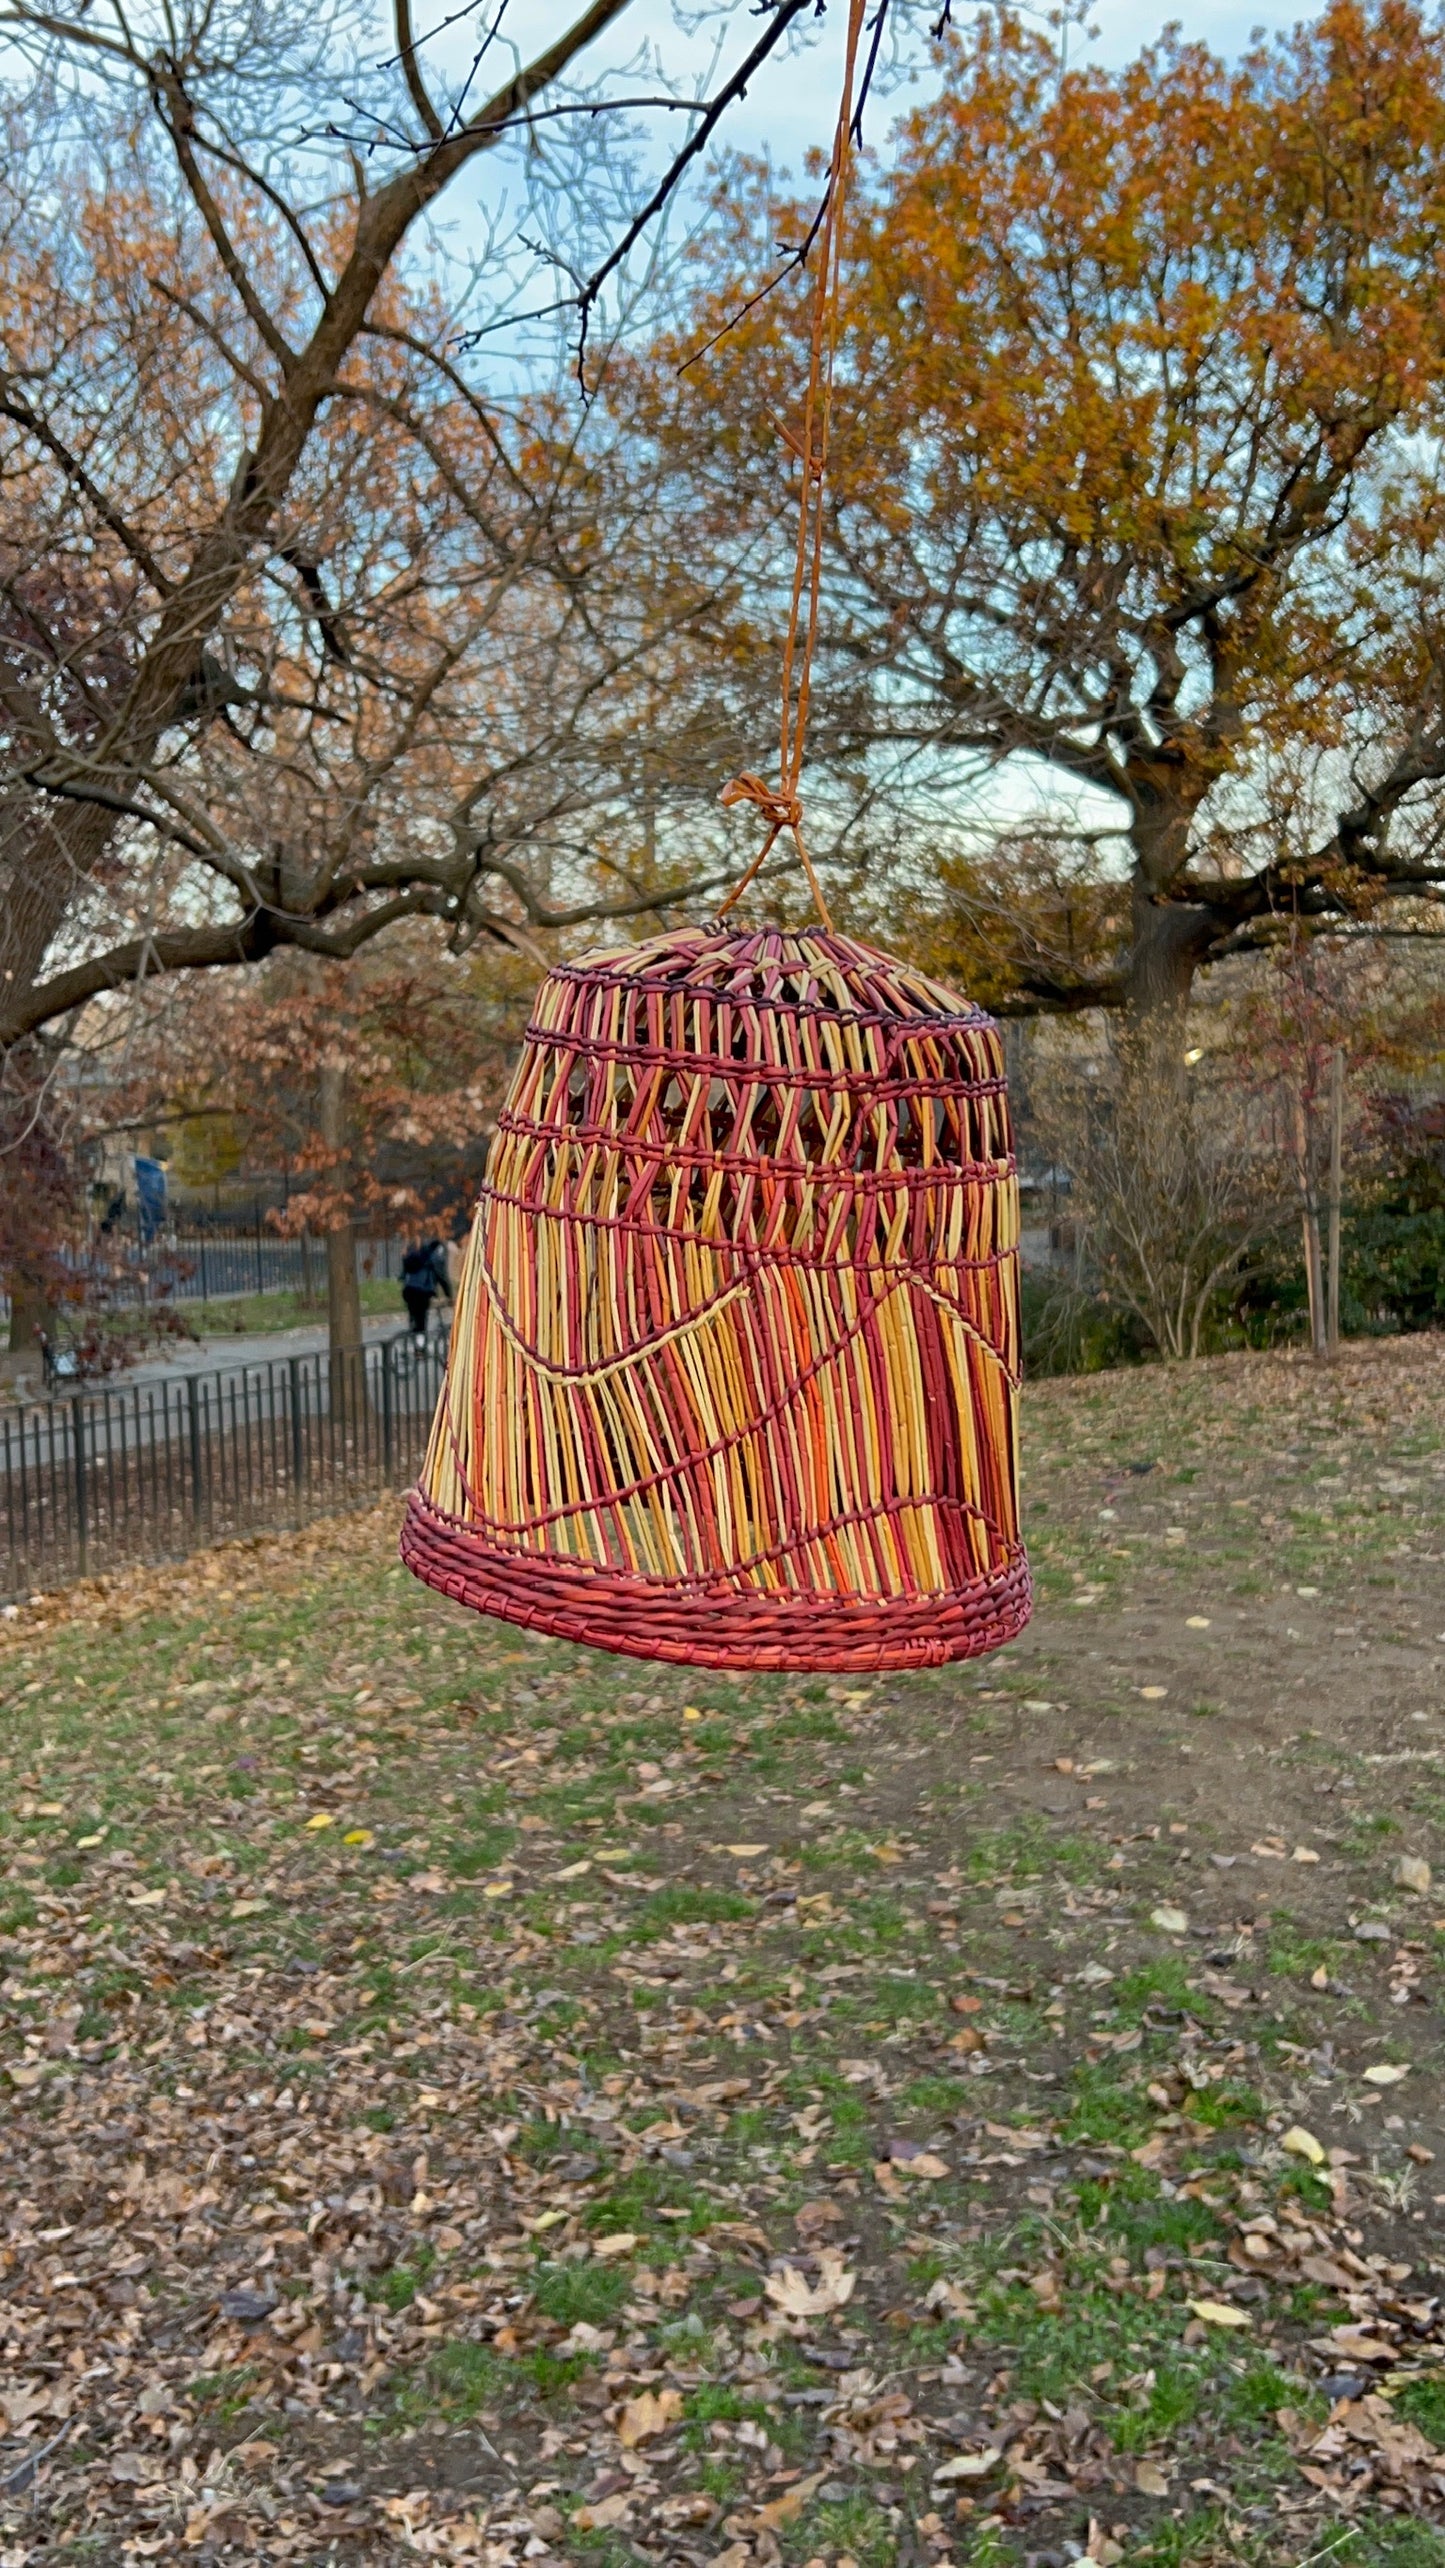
[787, 2508]
[607, 2512]
[649, 2414]
[796, 2297]
[812, 2218]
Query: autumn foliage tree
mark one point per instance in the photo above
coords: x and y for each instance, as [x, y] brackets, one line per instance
[315, 617]
[1135, 489]
[373, 1083]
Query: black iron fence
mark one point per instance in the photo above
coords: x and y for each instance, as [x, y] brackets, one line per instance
[98, 1479]
[202, 1265]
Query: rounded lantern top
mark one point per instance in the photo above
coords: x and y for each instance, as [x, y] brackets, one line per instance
[798, 969]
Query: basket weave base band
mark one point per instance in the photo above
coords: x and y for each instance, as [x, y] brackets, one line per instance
[712, 1622]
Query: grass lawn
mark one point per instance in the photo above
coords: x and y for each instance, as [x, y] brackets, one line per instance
[471, 2098]
[249, 1314]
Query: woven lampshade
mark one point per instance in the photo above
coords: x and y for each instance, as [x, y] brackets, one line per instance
[734, 1368]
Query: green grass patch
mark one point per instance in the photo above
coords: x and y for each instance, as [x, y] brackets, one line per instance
[1422, 2404]
[223, 2396]
[590, 2292]
[682, 1904]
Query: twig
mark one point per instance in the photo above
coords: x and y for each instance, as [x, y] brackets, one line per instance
[20, 2479]
[735, 87]
[798, 256]
[434, 1953]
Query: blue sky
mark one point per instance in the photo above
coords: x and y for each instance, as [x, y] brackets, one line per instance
[794, 108]
[794, 101]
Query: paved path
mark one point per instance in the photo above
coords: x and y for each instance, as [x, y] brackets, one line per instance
[259, 1346]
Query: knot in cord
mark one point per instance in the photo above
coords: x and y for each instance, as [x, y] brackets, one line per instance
[780, 805]
[782, 808]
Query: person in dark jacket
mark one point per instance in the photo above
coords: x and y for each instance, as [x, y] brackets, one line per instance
[423, 1276]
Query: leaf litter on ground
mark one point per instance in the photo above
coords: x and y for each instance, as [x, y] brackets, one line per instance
[392, 2174]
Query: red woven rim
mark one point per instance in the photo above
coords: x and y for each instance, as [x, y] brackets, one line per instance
[714, 1623]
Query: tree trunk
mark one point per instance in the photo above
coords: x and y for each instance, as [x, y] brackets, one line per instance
[22, 1366]
[1310, 1224]
[1168, 943]
[1337, 1159]
[343, 1288]
[30, 1314]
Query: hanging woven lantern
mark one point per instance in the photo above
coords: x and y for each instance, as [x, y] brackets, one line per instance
[734, 1369]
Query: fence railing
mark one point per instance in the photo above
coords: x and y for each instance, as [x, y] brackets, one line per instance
[183, 1266]
[102, 1479]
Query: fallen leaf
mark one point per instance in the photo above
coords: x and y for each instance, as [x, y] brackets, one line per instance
[792, 2293]
[1386, 2073]
[965, 2465]
[574, 1872]
[1170, 1921]
[1305, 1855]
[1153, 1693]
[1197, 1622]
[497, 1889]
[1357, 2346]
[1303, 2144]
[246, 2305]
[1412, 1873]
[787, 2508]
[359, 1837]
[649, 2414]
[601, 2517]
[146, 1898]
[617, 2242]
[321, 1819]
[1220, 2314]
[247, 1907]
[747, 1850]
[1149, 2479]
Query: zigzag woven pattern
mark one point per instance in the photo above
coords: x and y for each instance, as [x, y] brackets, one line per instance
[734, 1368]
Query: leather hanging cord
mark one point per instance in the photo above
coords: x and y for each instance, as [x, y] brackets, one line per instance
[781, 806]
